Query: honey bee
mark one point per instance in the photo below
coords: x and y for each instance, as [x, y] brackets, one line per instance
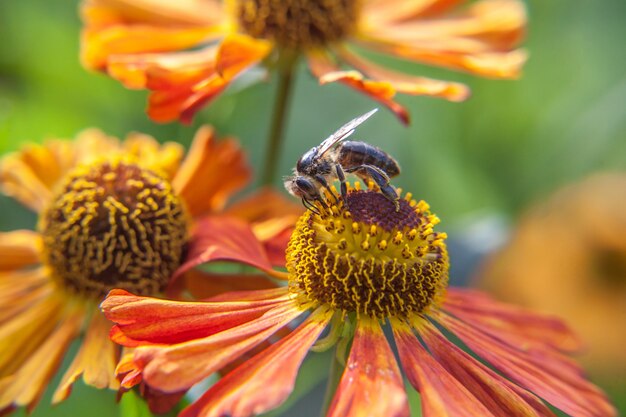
[333, 158]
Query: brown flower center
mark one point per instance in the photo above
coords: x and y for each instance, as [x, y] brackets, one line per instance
[298, 24]
[114, 225]
[369, 258]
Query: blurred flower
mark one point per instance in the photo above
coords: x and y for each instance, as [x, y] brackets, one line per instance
[114, 215]
[568, 256]
[187, 52]
[352, 268]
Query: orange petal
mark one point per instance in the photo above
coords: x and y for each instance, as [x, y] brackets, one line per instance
[557, 382]
[327, 71]
[263, 382]
[162, 157]
[510, 323]
[480, 41]
[141, 320]
[371, 384]
[204, 285]
[178, 367]
[238, 52]
[442, 395]
[265, 204]
[211, 173]
[20, 290]
[96, 360]
[19, 248]
[401, 10]
[498, 394]
[26, 386]
[224, 239]
[407, 84]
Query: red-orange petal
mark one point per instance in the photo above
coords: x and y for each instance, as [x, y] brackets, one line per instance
[327, 71]
[510, 323]
[224, 239]
[556, 382]
[371, 384]
[264, 381]
[497, 393]
[212, 171]
[442, 395]
[146, 320]
[178, 367]
[202, 285]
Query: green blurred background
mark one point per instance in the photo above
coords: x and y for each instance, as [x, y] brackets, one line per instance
[512, 143]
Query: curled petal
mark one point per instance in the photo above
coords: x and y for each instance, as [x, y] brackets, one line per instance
[264, 381]
[201, 182]
[442, 395]
[18, 249]
[178, 367]
[498, 394]
[557, 382]
[146, 320]
[327, 71]
[371, 384]
[224, 239]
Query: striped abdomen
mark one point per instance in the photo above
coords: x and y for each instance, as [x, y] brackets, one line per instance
[353, 154]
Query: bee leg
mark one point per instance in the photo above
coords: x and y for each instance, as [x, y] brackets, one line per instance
[382, 180]
[342, 180]
[309, 206]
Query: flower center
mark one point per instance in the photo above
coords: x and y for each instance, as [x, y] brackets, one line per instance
[114, 225]
[298, 23]
[368, 258]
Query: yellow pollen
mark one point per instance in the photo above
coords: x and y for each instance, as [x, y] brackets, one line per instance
[298, 24]
[384, 264]
[112, 225]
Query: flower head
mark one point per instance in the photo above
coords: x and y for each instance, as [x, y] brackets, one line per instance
[113, 214]
[188, 52]
[352, 268]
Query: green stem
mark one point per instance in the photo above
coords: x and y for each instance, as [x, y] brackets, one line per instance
[334, 376]
[286, 75]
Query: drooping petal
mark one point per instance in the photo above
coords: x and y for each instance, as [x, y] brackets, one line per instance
[26, 386]
[481, 40]
[442, 395]
[146, 320]
[404, 83]
[499, 395]
[508, 322]
[218, 238]
[557, 382]
[264, 381]
[327, 71]
[95, 361]
[18, 249]
[371, 384]
[201, 182]
[178, 367]
[204, 285]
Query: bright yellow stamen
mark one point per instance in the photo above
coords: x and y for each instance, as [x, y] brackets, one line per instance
[368, 258]
[114, 224]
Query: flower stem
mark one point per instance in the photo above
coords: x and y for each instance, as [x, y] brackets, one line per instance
[334, 376]
[286, 74]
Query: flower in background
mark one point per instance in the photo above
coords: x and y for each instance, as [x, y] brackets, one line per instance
[114, 215]
[187, 52]
[578, 270]
[352, 268]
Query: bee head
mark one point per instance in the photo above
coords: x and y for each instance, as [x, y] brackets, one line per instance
[302, 187]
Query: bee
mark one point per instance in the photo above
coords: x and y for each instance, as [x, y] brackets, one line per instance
[335, 157]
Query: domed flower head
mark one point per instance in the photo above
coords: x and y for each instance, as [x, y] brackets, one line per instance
[187, 52]
[114, 214]
[353, 268]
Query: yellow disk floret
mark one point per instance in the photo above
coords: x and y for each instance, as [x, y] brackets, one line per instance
[114, 224]
[366, 257]
[298, 24]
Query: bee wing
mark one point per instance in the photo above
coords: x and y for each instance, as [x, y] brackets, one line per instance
[343, 132]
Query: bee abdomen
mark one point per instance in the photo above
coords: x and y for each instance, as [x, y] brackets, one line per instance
[353, 154]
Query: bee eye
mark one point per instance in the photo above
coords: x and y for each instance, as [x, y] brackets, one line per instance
[306, 186]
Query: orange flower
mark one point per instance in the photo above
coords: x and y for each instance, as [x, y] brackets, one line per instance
[188, 52]
[114, 215]
[352, 268]
[576, 241]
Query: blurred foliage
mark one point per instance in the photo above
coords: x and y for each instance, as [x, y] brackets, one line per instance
[510, 144]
